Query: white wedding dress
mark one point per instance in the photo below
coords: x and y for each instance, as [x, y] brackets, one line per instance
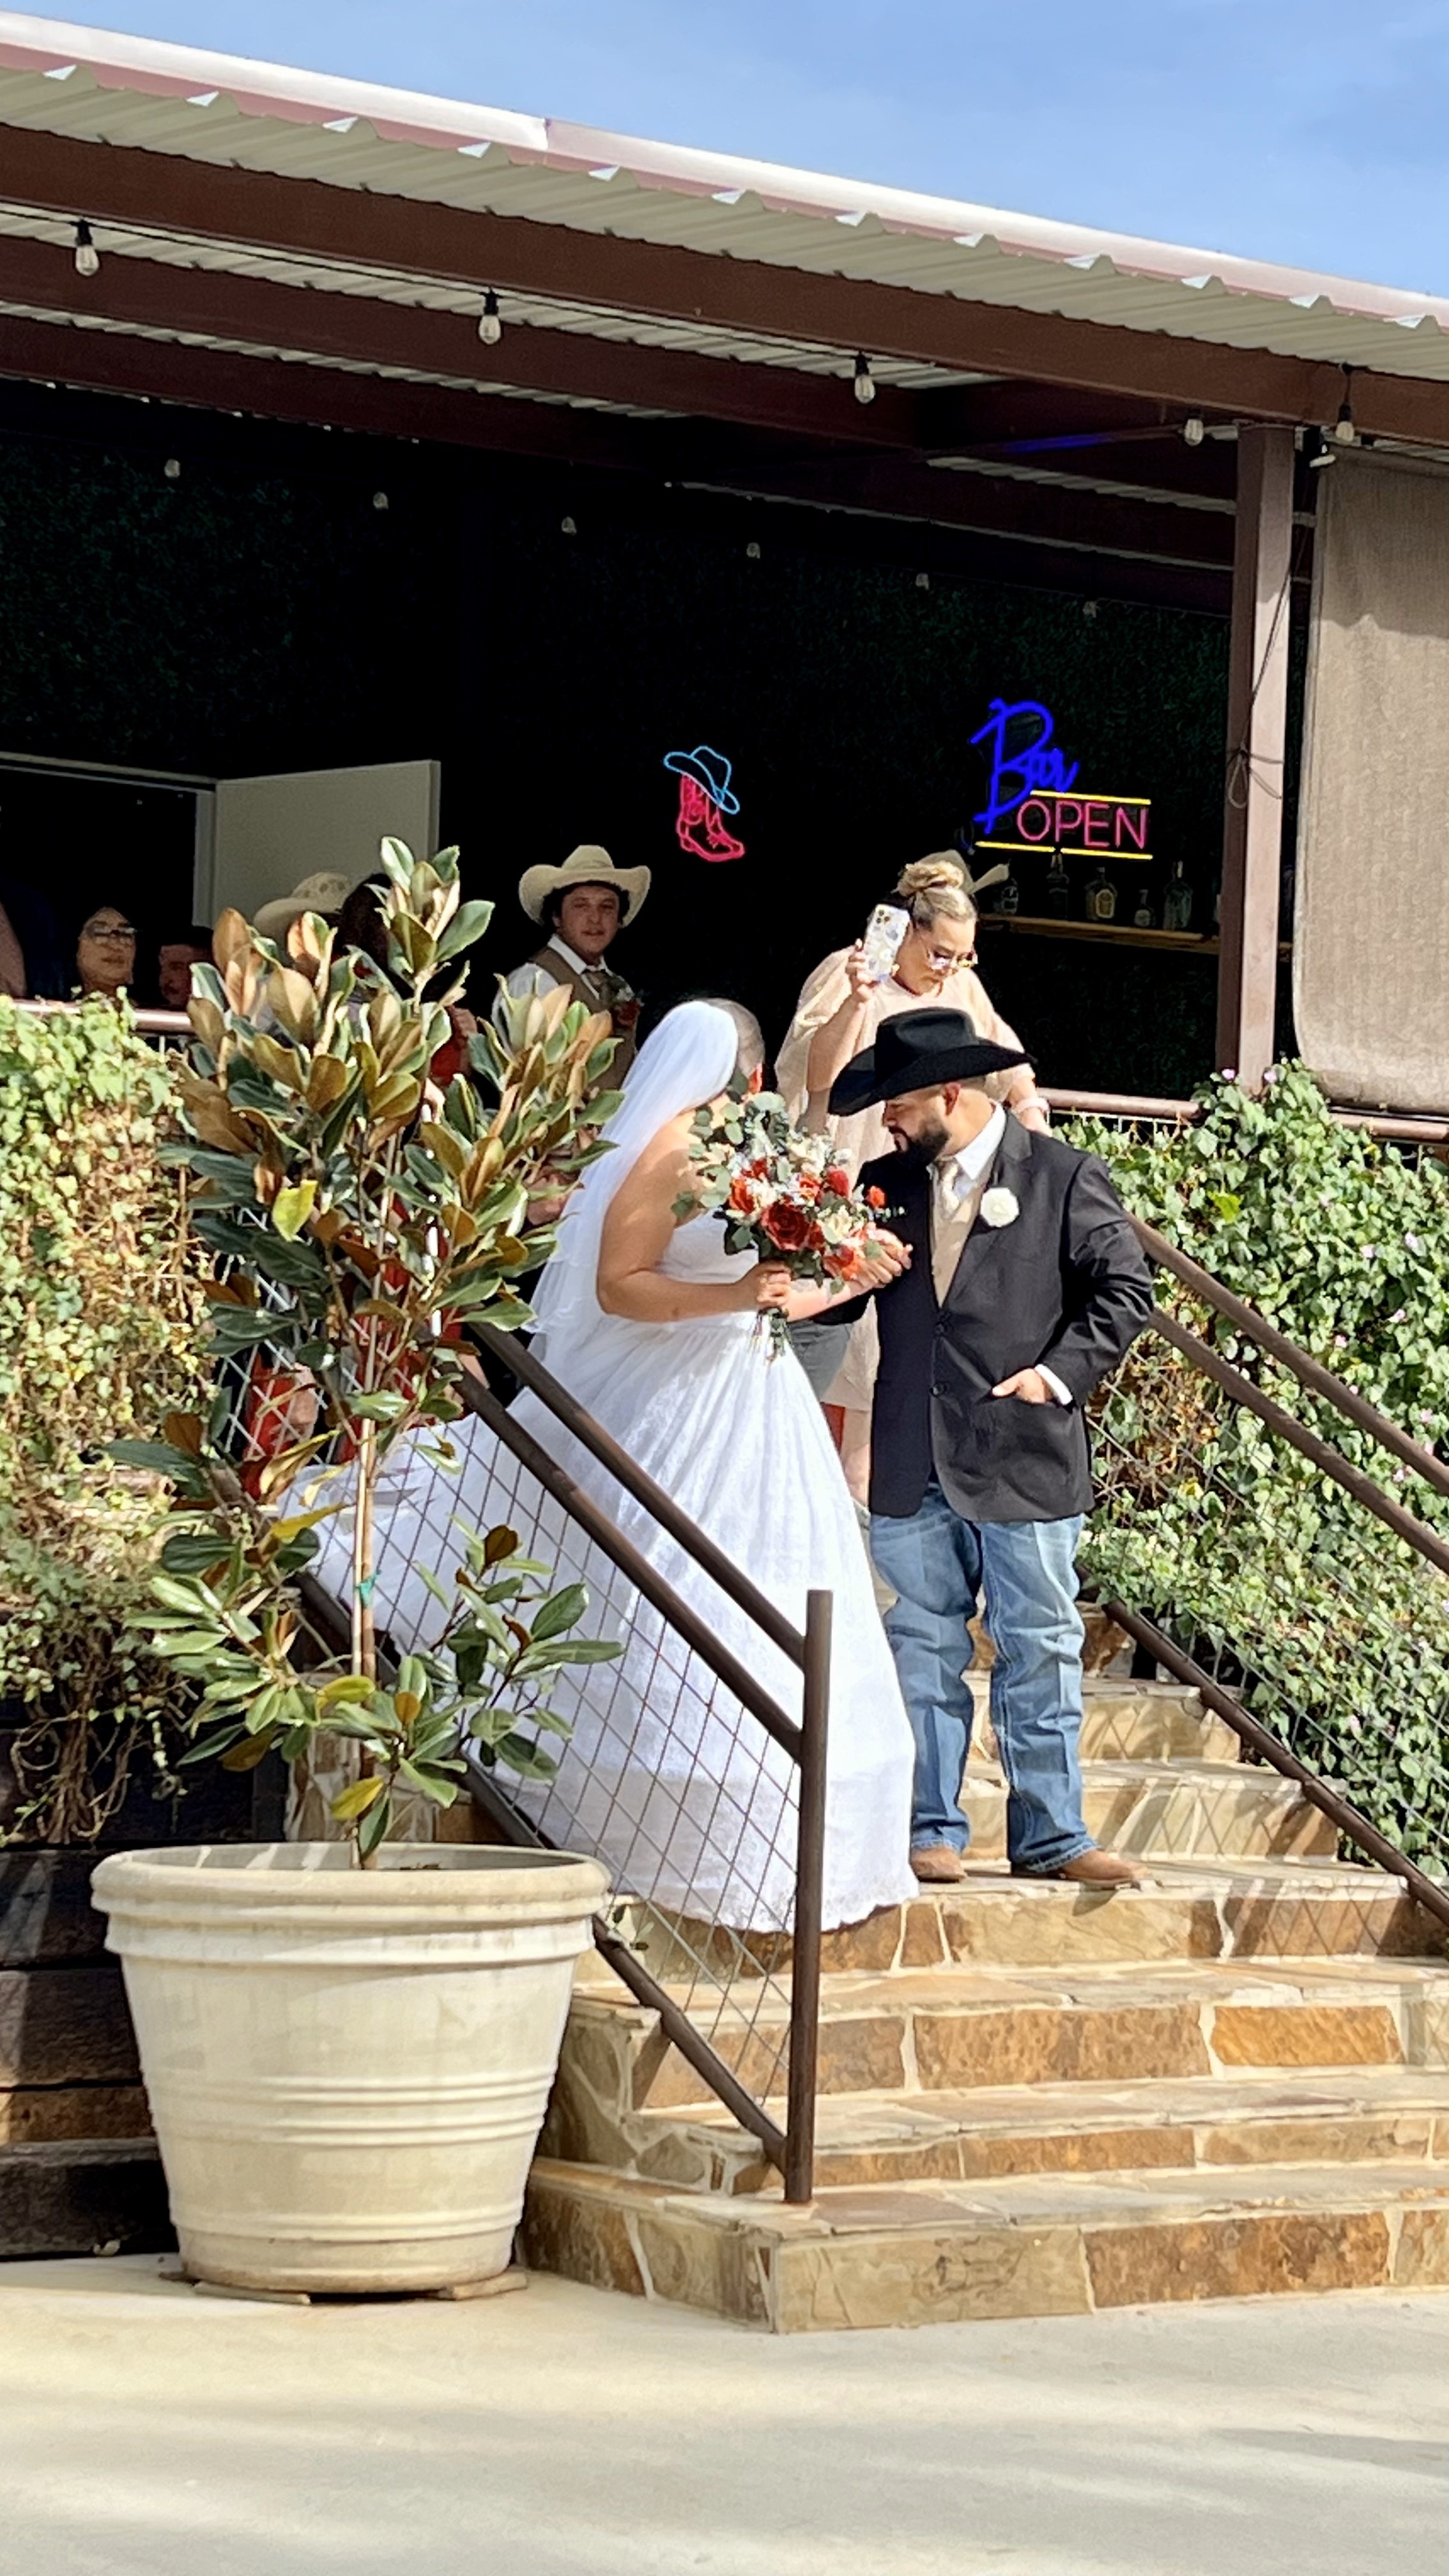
[665, 1777]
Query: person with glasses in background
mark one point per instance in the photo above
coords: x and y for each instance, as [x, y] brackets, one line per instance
[105, 956]
[836, 1018]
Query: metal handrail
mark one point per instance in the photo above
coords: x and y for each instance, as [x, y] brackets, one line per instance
[1309, 1372]
[1260, 1740]
[1426, 1543]
[792, 2149]
[660, 1506]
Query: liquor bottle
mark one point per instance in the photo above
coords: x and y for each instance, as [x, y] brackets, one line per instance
[1058, 887]
[1177, 908]
[1142, 917]
[1101, 897]
[1007, 896]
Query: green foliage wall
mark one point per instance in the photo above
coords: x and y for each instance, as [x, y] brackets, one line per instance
[1335, 1631]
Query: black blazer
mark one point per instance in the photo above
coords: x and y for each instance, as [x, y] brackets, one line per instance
[1065, 1283]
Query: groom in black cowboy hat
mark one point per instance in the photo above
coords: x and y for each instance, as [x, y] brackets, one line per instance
[1021, 1285]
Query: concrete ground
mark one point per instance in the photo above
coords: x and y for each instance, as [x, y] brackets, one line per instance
[147, 2431]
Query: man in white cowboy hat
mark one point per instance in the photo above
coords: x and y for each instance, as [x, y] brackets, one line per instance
[326, 892]
[583, 905]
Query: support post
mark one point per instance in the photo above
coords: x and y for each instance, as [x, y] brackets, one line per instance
[809, 1888]
[1257, 729]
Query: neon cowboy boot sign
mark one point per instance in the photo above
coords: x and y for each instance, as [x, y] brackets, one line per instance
[705, 797]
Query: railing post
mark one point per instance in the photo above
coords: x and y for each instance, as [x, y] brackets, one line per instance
[809, 1890]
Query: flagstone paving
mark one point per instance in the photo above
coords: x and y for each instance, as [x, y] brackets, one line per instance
[1038, 2099]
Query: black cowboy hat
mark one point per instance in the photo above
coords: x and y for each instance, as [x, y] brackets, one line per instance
[917, 1051]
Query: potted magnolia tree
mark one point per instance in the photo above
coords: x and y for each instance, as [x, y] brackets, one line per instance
[348, 2044]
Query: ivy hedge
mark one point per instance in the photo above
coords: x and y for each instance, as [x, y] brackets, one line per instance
[101, 1327]
[1333, 1631]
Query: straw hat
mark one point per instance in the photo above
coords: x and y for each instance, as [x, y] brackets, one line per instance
[587, 865]
[324, 892]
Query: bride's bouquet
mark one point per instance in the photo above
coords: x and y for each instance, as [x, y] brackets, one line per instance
[783, 1194]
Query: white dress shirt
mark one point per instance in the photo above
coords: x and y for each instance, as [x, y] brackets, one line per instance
[537, 979]
[959, 1177]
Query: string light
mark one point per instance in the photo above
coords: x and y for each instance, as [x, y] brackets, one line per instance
[1345, 435]
[490, 321]
[172, 469]
[1194, 430]
[864, 380]
[87, 257]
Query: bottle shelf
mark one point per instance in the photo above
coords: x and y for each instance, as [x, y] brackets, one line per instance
[1118, 934]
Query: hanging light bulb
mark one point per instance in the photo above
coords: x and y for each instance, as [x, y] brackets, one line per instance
[1194, 430]
[864, 380]
[87, 257]
[490, 321]
[1345, 435]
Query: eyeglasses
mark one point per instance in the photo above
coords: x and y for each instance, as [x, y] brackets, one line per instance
[947, 959]
[117, 930]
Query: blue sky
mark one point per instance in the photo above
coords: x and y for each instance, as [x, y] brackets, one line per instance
[1312, 131]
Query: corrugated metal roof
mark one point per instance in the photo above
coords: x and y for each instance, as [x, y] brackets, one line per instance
[125, 90]
[179, 250]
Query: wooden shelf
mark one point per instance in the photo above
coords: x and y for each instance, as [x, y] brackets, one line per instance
[1118, 934]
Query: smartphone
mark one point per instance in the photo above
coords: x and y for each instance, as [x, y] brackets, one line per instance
[884, 933]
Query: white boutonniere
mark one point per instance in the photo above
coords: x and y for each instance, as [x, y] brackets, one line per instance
[1000, 1207]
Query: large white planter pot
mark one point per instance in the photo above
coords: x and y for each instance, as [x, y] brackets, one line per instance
[347, 2068]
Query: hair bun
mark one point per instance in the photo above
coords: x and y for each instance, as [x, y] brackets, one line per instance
[930, 875]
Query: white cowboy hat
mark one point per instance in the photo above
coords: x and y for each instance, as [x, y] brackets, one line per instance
[587, 865]
[324, 892]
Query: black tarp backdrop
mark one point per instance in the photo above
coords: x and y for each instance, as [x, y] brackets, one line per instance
[259, 612]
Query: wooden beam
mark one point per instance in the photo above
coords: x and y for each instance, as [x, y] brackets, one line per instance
[282, 389]
[1257, 735]
[1042, 512]
[308, 219]
[152, 294]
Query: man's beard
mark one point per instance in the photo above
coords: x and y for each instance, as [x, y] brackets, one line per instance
[918, 1151]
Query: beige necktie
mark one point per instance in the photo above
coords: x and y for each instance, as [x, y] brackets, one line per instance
[954, 1202]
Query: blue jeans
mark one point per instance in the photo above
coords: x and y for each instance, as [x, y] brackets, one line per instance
[939, 1566]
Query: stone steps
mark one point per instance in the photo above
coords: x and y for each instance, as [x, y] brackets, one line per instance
[1195, 1909]
[968, 2028]
[1205, 1809]
[1035, 2098]
[917, 2254]
[1367, 2115]
[1127, 1721]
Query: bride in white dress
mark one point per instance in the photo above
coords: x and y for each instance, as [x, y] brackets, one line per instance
[654, 1328]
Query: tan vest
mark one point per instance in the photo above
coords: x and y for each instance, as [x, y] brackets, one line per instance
[590, 989]
[948, 1233]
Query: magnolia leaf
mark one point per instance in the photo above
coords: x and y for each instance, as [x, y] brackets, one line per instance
[356, 1798]
[465, 930]
[563, 1611]
[374, 1826]
[252, 1750]
[500, 1542]
[348, 1690]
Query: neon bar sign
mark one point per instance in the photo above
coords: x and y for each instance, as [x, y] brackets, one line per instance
[1034, 790]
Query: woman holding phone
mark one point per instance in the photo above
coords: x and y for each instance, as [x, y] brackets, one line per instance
[933, 940]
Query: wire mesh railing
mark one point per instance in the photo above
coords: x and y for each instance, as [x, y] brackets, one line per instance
[693, 1765]
[1275, 1541]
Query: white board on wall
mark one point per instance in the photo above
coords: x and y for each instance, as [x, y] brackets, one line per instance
[267, 834]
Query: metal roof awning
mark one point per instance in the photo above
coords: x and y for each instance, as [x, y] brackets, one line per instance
[88, 87]
[302, 247]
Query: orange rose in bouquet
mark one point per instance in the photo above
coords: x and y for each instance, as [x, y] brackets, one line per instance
[782, 1194]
